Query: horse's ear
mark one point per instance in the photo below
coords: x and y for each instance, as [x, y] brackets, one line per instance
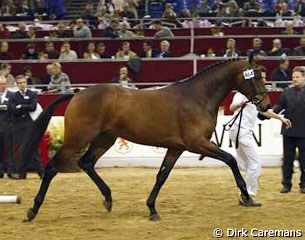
[251, 59]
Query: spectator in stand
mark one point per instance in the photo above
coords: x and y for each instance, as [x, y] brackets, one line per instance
[209, 53]
[31, 32]
[257, 48]
[123, 79]
[217, 7]
[8, 8]
[101, 50]
[40, 9]
[297, 20]
[164, 49]
[204, 8]
[4, 32]
[22, 8]
[66, 53]
[187, 21]
[125, 33]
[133, 6]
[31, 53]
[125, 52]
[127, 14]
[4, 52]
[162, 31]
[216, 31]
[61, 31]
[148, 50]
[252, 6]
[81, 30]
[231, 51]
[110, 7]
[277, 49]
[21, 33]
[300, 50]
[47, 78]
[112, 30]
[89, 15]
[28, 74]
[289, 28]
[91, 53]
[234, 12]
[60, 81]
[5, 70]
[50, 52]
[283, 9]
[103, 17]
[56, 9]
[169, 14]
[281, 74]
[300, 7]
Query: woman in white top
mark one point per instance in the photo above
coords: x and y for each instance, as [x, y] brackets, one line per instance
[247, 156]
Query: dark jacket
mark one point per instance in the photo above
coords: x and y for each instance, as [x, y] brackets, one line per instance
[280, 76]
[27, 102]
[294, 110]
[109, 32]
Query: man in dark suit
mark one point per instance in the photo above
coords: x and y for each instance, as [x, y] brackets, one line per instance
[164, 49]
[6, 121]
[281, 74]
[25, 102]
[293, 102]
[300, 50]
[148, 50]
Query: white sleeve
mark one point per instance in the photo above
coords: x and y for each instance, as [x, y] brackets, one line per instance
[238, 98]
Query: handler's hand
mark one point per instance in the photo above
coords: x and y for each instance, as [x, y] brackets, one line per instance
[287, 122]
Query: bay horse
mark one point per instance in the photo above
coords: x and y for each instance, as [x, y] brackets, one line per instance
[181, 116]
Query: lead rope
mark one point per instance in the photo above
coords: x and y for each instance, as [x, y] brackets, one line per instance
[229, 124]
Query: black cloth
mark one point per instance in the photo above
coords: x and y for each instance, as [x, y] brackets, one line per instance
[293, 102]
[24, 104]
[6, 123]
[294, 110]
[154, 53]
[109, 32]
[289, 145]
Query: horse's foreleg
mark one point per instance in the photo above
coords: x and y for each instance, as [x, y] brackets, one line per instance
[168, 163]
[87, 162]
[209, 149]
[50, 173]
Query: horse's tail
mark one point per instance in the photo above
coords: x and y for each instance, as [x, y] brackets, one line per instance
[36, 130]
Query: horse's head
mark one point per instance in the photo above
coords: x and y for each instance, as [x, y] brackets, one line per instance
[250, 83]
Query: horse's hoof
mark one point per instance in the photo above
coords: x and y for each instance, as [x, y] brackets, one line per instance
[31, 214]
[154, 217]
[243, 201]
[108, 205]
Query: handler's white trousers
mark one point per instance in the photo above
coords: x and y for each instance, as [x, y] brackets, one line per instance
[247, 158]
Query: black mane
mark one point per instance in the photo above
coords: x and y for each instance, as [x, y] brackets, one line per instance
[209, 68]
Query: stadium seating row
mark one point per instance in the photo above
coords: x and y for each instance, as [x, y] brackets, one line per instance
[178, 48]
[150, 71]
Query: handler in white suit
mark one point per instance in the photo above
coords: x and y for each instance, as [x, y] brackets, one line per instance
[247, 156]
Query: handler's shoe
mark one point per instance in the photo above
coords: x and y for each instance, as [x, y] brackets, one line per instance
[285, 190]
[248, 203]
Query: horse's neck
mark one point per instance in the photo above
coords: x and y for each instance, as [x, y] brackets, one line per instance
[215, 88]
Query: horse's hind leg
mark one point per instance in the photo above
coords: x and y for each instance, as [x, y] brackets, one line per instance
[50, 173]
[97, 148]
[168, 163]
